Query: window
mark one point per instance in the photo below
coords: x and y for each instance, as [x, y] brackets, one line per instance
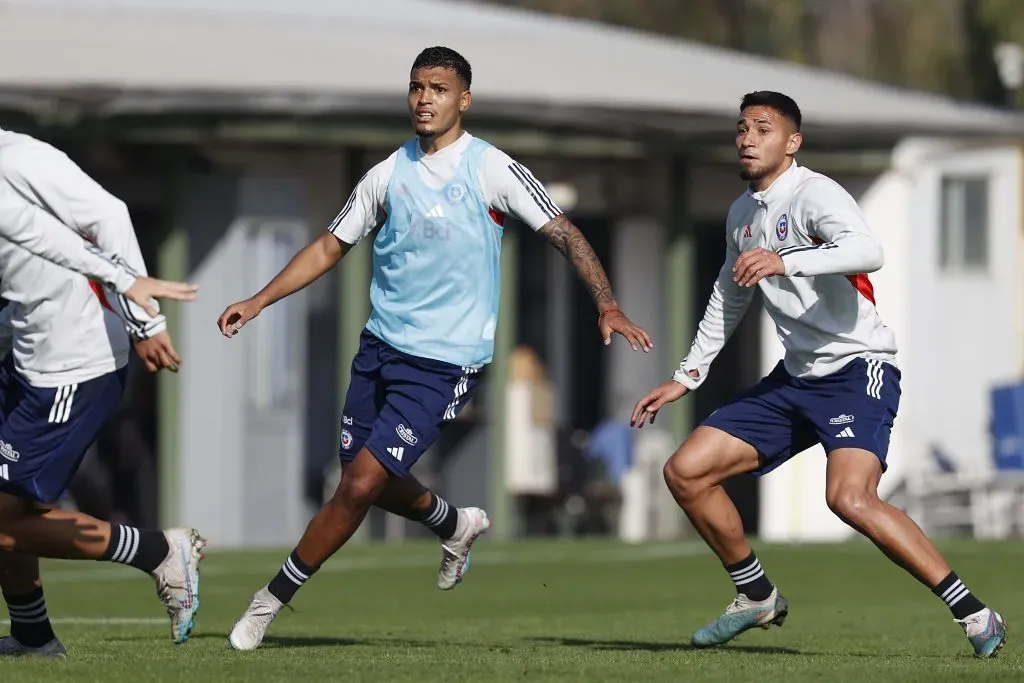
[963, 226]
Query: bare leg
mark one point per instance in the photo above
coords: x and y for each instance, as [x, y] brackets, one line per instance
[46, 532]
[694, 475]
[28, 530]
[852, 494]
[31, 631]
[361, 485]
[338, 519]
[406, 497]
[19, 574]
[36, 530]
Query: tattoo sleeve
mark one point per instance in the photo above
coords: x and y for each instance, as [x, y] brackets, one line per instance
[568, 239]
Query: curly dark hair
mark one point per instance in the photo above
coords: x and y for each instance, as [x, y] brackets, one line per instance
[447, 58]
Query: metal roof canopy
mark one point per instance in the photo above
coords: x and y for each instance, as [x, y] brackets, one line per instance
[344, 57]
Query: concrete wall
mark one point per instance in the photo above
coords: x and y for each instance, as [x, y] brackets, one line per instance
[247, 415]
[965, 327]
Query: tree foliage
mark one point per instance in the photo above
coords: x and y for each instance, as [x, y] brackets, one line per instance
[942, 46]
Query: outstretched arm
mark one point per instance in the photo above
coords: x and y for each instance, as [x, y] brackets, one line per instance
[729, 301]
[305, 267]
[37, 231]
[102, 219]
[362, 213]
[510, 188]
[726, 306]
[568, 239]
[45, 199]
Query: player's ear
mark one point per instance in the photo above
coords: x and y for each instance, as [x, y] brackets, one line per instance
[794, 142]
[465, 100]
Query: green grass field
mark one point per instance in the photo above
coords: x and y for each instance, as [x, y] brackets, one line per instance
[559, 610]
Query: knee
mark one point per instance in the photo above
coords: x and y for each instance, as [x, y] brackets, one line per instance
[356, 491]
[852, 505]
[684, 476]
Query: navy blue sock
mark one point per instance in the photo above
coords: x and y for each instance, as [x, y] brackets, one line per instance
[30, 625]
[958, 598]
[143, 549]
[440, 517]
[291, 577]
[750, 579]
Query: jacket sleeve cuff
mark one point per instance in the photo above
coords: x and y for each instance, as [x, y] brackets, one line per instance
[123, 281]
[683, 377]
[155, 327]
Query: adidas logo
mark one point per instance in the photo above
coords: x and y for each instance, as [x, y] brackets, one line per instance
[436, 212]
[846, 433]
[3, 472]
[396, 452]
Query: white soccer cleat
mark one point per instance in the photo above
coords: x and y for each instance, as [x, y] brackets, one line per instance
[10, 647]
[248, 631]
[455, 551]
[986, 630]
[177, 580]
[741, 615]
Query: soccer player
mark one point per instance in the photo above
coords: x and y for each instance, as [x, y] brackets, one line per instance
[65, 340]
[440, 201]
[28, 222]
[803, 240]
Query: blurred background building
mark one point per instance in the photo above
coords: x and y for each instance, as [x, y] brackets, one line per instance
[235, 130]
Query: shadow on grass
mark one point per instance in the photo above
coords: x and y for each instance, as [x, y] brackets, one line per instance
[270, 642]
[641, 646]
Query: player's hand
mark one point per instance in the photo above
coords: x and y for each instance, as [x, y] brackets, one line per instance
[648, 407]
[753, 266]
[237, 315]
[145, 289]
[158, 353]
[617, 322]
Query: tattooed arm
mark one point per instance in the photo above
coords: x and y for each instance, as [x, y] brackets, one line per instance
[510, 188]
[568, 239]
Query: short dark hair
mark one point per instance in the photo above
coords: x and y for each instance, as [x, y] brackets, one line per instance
[784, 104]
[446, 58]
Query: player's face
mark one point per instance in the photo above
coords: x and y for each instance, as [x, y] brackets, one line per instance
[764, 139]
[437, 100]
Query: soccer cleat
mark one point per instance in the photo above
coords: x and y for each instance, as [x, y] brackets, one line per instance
[741, 615]
[177, 580]
[9, 647]
[248, 631]
[986, 630]
[455, 551]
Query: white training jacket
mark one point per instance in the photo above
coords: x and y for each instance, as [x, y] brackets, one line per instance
[824, 306]
[61, 236]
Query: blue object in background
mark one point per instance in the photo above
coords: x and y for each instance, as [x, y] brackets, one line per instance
[612, 443]
[1008, 427]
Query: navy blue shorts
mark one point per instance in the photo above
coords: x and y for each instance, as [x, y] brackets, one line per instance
[854, 407]
[397, 404]
[44, 433]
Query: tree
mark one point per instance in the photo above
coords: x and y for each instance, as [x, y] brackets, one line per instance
[941, 46]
